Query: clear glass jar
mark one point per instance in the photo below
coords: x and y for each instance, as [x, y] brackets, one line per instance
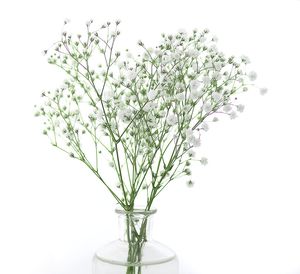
[135, 252]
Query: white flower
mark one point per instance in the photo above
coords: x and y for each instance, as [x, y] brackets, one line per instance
[180, 86]
[172, 119]
[150, 106]
[150, 50]
[207, 107]
[131, 75]
[195, 84]
[108, 94]
[191, 153]
[180, 96]
[215, 119]
[194, 95]
[196, 142]
[133, 98]
[194, 66]
[217, 75]
[215, 38]
[202, 39]
[166, 59]
[158, 52]
[227, 108]
[263, 91]
[216, 96]
[66, 21]
[191, 139]
[162, 113]
[99, 113]
[193, 53]
[152, 95]
[189, 132]
[187, 107]
[245, 59]
[240, 108]
[213, 49]
[206, 80]
[204, 161]
[175, 56]
[218, 65]
[233, 115]
[252, 75]
[124, 114]
[190, 183]
[182, 31]
[205, 126]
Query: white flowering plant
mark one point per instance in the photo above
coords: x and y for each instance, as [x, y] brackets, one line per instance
[142, 115]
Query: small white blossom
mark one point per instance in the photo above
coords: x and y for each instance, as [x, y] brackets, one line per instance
[233, 115]
[207, 107]
[213, 49]
[125, 114]
[191, 153]
[205, 126]
[215, 38]
[218, 65]
[204, 161]
[195, 84]
[133, 98]
[252, 75]
[216, 96]
[191, 139]
[263, 91]
[99, 113]
[190, 183]
[227, 108]
[206, 80]
[150, 106]
[202, 39]
[108, 94]
[215, 119]
[180, 86]
[166, 59]
[182, 31]
[152, 95]
[193, 53]
[172, 119]
[217, 75]
[66, 21]
[180, 96]
[240, 108]
[245, 59]
[196, 142]
[175, 56]
[131, 75]
[162, 113]
[195, 94]
[189, 132]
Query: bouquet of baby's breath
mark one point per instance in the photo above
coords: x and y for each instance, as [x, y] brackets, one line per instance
[142, 115]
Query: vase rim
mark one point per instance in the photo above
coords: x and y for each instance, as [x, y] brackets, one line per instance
[136, 211]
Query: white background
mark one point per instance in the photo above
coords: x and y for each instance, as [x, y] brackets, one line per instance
[242, 216]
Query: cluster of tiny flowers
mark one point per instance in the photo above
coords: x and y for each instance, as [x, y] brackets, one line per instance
[152, 108]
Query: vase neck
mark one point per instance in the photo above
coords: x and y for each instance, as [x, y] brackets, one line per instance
[135, 225]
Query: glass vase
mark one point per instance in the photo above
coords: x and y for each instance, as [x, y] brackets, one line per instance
[135, 252]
